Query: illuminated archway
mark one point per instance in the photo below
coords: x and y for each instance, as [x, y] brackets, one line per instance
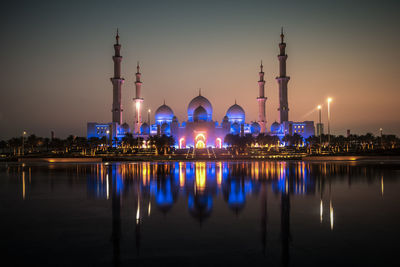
[182, 143]
[200, 144]
[200, 141]
[218, 143]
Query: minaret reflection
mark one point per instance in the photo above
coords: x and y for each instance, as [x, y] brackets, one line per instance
[264, 217]
[116, 214]
[198, 183]
[285, 224]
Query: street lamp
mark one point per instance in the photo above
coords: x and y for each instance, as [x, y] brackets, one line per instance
[108, 137]
[23, 140]
[320, 124]
[148, 116]
[329, 120]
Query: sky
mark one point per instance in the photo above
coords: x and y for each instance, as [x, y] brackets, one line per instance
[56, 60]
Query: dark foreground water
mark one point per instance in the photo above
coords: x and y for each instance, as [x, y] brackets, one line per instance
[201, 213]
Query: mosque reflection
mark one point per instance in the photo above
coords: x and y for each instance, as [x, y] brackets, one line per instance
[198, 182]
[199, 185]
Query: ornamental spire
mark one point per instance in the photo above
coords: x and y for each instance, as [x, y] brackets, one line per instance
[261, 66]
[117, 37]
[282, 35]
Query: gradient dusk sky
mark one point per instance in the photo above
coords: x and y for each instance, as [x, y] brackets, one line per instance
[56, 60]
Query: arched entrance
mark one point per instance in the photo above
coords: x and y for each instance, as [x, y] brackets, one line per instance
[200, 141]
[182, 143]
[218, 143]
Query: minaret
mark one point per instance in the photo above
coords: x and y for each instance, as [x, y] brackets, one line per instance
[283, 81]
[261, 101]
[117, 82]
[138, 101]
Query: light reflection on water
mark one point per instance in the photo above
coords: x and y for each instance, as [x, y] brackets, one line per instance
[199, 185]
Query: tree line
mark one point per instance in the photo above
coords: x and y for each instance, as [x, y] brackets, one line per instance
[164, 144]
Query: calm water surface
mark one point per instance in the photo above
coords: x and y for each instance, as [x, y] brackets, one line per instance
[201, 213]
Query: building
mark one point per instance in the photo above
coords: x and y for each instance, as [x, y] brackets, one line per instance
[199, 130]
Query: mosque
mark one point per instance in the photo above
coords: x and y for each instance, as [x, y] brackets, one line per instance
[199, 130]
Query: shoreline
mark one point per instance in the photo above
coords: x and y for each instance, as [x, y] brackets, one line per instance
[330, 158]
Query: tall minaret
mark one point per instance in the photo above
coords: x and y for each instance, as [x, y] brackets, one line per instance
[117, 82]
[283, 81]
[138, 100]
[261, 101]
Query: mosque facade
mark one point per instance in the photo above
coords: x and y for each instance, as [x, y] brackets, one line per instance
[199, 130]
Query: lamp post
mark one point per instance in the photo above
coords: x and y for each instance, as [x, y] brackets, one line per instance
[320, 125]
[329, 120]
[23, 141]
[108, 138]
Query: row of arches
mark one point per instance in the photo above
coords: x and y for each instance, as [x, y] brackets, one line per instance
[200, 142]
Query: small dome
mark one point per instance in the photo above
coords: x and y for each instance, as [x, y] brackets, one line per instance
[200, 114]
[255, 128]
[236, 113]
[144, 128]
[275, 127]
[164, 113]
[197, 102]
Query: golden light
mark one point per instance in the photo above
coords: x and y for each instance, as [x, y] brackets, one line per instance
[329, 99]
[182, 174]
[331, 214]
[219, 175]
[149, 209]
[200, 140]
[138, 211]
[137, 105]
[321, 211]
[23, 185]
[319, 107]
[200, 176]
[200, 135]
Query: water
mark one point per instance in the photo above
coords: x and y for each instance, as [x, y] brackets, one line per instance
[201, 213]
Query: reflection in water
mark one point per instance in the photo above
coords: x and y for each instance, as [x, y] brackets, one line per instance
[321, 210]
[157, 186]
[23, 185]
[331, 213]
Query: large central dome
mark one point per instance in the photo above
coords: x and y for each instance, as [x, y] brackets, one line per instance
[197, 102]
